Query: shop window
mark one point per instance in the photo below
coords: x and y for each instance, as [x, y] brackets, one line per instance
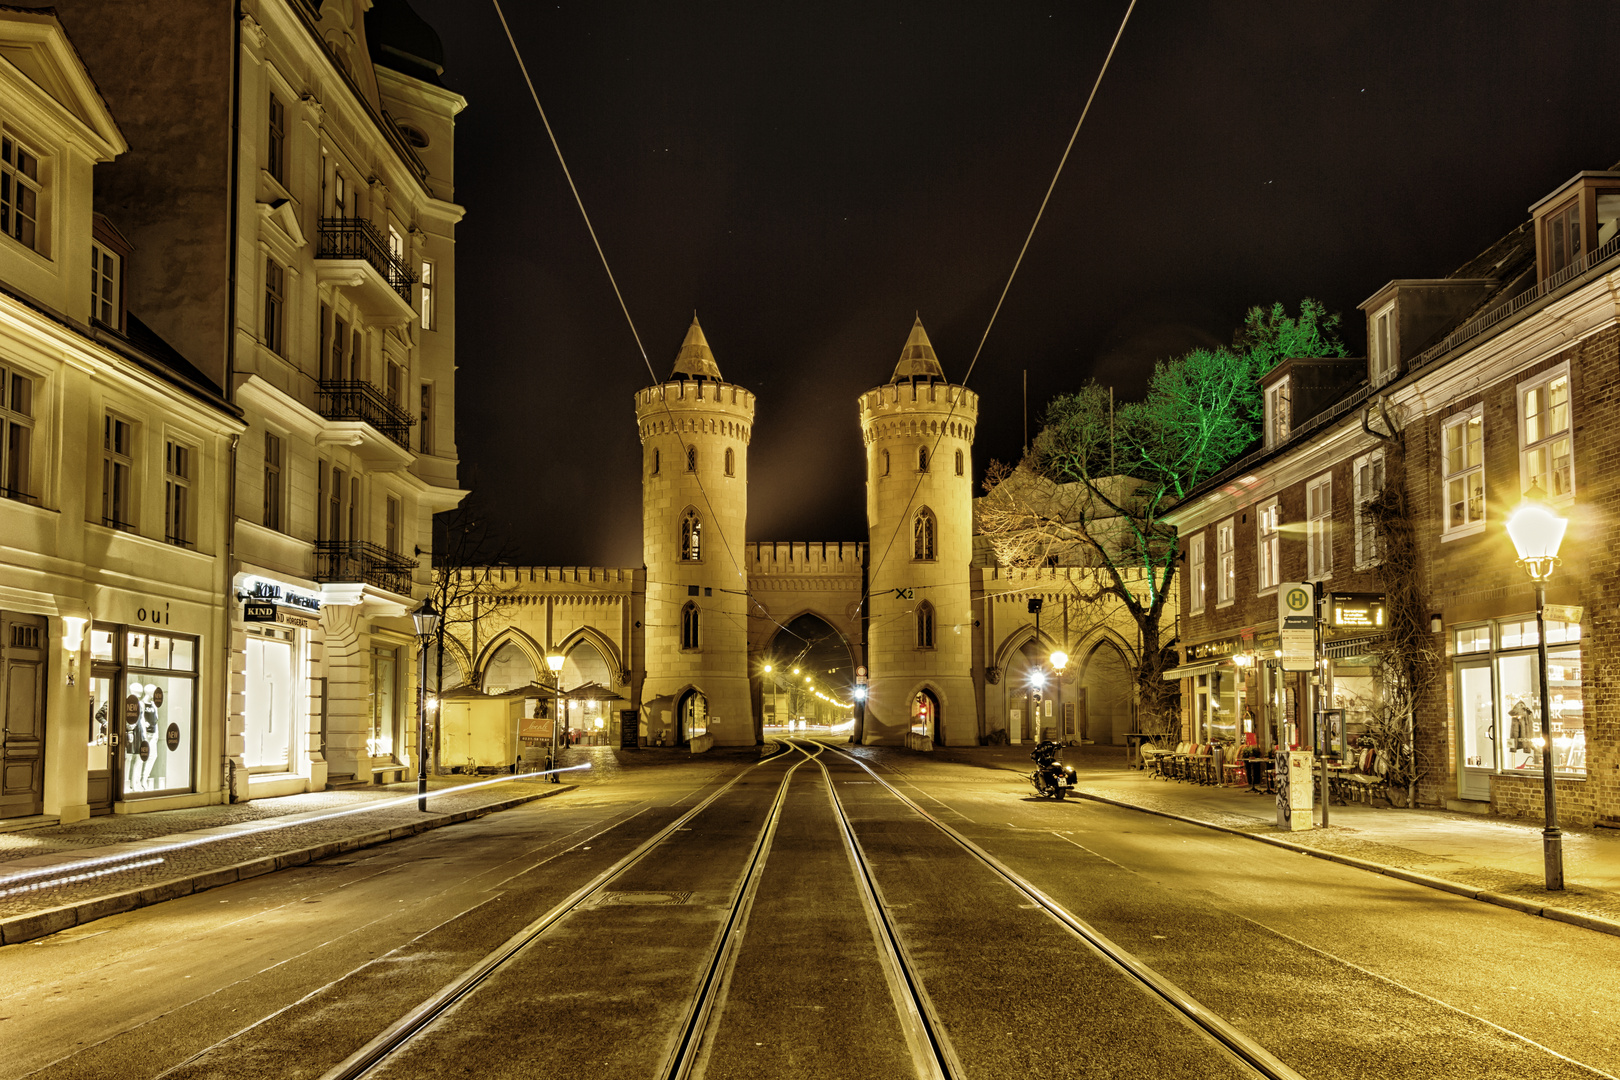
[1215, 707]
[20, 192]
[1225, 562]
[1367, 480]
[1545, 452]
[923, 528]
[1195, 573]
[1462, 462]
[16, 435]
[383, 741]
[1499, 701]
[1319, 528]
[1472, 639]
[925, 625]
[117, 473]
[1268, 557]
[159, 676]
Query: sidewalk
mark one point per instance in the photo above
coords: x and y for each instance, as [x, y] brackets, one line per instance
[1494, 859]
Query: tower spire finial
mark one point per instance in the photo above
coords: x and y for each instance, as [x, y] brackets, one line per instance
[696, 359]
[917, 358]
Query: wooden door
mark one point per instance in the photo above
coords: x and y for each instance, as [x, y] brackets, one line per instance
[22, 724]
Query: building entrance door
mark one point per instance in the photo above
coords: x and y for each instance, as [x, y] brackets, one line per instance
[1478, 731]
[103, 743]
[22, 715]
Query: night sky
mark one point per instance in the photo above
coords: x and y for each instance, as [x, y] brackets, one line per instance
[808, 176]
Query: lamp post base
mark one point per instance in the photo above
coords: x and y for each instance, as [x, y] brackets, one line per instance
[421, 793]
[1552, 848]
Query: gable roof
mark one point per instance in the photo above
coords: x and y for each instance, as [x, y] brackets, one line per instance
[35, 51]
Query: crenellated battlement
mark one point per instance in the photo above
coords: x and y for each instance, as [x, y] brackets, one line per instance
[695, 407]
[776, 557]
[930, 396]
[555, 575]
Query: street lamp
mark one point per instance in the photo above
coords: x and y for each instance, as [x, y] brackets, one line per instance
[1536, 532]
[426, 619]
[554, 661]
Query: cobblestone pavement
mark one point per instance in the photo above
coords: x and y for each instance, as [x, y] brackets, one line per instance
[65, 875]
[1498, 858]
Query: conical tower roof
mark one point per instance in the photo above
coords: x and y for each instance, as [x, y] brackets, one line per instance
[917, 359]
[696, 359]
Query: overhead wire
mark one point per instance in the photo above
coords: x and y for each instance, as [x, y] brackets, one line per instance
[904, 517]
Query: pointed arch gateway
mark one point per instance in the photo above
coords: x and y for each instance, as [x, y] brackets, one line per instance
[806, 654]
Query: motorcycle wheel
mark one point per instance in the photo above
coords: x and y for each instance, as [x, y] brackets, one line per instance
[1058, 794]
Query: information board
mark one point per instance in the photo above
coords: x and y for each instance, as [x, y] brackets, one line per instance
[1296, 625]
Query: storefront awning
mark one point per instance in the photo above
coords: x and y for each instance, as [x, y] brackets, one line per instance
[1202, 667]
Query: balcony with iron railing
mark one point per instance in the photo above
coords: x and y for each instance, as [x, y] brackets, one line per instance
[359, 239]
[359, 400]
[359, 561]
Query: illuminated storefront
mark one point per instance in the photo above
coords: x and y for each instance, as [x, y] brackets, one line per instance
[1498, 703]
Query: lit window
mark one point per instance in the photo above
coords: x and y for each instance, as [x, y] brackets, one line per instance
[16, 435]
[1546, 455]
[1462, 464]
[177, 494]
[1319, 527]
[430, 315]
[117, 464]
[925, 625]
[691, 537]
[1367, 474]
[1195, 573]
[1278, 409]
[1270, 544]
[103, 285]
[922, 536]
[1225, 562]
[19, 192]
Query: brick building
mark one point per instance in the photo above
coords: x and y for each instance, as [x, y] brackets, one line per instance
[1476, 387]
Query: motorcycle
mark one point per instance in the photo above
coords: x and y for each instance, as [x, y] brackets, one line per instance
[1052, 778]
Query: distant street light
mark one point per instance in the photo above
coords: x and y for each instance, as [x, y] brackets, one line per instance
[554, 661]
[1537, 532]
[426, 619]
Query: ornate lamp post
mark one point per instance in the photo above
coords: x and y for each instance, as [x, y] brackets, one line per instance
[426, 619]
[554, 661]
[1536, 532]
[1060, 660]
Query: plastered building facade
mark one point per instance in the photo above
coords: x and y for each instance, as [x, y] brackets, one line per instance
[906, 636]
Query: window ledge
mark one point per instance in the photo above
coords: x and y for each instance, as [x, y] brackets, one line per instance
[1462, 531]
[1269, 590]
[1224, 604]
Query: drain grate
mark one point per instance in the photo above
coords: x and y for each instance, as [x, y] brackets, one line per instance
[642, 899]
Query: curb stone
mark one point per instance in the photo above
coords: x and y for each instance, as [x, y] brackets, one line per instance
[38, 924]
[1528, 907]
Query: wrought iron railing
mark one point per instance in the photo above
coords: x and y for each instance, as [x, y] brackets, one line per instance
[1475, 327]
[357, 238]
[356, 560]
[359, 400]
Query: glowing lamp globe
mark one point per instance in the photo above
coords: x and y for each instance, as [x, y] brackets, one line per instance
[1060, 659]
[1536, 532]
[554, 661]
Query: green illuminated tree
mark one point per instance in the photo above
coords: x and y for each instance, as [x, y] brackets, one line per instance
[1096, 485]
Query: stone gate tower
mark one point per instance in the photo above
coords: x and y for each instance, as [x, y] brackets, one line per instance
[918, 431]
[694, 430]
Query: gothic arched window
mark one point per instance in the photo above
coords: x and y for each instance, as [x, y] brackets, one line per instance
[731, 462]
[885, 463]
[922, 536]
[925, 625]
[691, 537]
[922, 459]
[657, 460]
[689, 626]
[959, 463]
[691, 459]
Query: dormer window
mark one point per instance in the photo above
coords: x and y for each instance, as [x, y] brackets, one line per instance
[1381, 345]
[1278, 412]
[19, 192]
[1561, 237]
[1574, 223]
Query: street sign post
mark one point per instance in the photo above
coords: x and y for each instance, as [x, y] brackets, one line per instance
[1296, 625]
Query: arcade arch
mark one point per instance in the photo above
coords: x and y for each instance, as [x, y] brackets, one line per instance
[806, 655]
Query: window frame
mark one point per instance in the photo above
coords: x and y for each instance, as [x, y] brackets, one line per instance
[925, 626]
[1461, 421]
[393, 522]
[1366, 533]
[118, 474]
[18, 427]
[960, 463]
[179, 468]
[1225, 563]
[1279, 411]
[1268, 545]
[1544, 381]
[106, 305]
[1319, 528]
[429, 313]
[274, 494]
[1197, 573]
[691, 627]
[425, 418]
[924, 536]
[731, 462]
[1565, 215]
[275, 157]
[691, 538]
[922, 459]
[15, 178]
[274, 334]
[1381, 366]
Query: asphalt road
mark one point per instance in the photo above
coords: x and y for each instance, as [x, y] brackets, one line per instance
[1338, 972]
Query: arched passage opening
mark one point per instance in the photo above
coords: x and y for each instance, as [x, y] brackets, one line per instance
[508, 668]
[925, 717]
[1033, 695]
[1106, 689]
[588, 720]
[807, 677]
[691, 716]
